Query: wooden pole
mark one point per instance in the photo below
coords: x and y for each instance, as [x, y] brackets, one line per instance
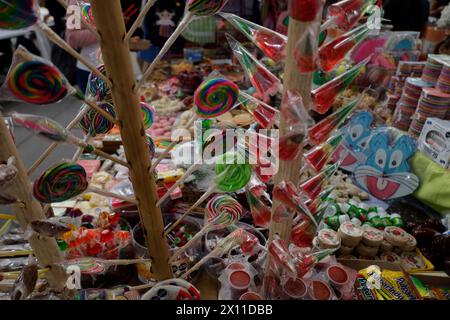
[116, 55]
[28, 209]
[302, 83]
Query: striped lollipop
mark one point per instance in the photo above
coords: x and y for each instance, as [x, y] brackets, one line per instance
[215, 97]
[224, 209]
[86, 14]
[148, 114]
[17, 14]
[60, 183]
[37, 83]
[93, 123]
[151, 145]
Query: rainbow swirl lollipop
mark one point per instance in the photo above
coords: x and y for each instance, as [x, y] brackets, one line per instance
[60, 183]
[232, 173]
[86, 14]
[148, 114]
[205, 7]
[96, 86]
[151, 145]
[37, 83]
[93, 123]
[17, 14]
[215, 97]
[224, 206]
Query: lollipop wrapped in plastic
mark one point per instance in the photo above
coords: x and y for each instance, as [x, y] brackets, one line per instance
[334, 52]
[259, 202]
[265, 115]
[265, 82]
[297, 121]
[17, 14]
[322, 154]
[34, 80]
[93, 123]
[320, 132]
[313, 186]
[305, 52]
[325, 96]
[271, 43]
[281, 258]
[346, 14]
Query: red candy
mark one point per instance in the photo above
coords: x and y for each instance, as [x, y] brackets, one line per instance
[271, 44]
[305, 10]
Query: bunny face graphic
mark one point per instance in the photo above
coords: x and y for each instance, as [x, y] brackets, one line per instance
[356, 139]
[386, 174]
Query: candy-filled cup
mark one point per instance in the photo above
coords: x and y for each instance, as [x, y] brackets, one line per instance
[295, 289]
[337, 275]
[250, 296]
[239, 281]
[319, 290]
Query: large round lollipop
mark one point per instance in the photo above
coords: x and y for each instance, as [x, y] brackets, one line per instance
[222, 211]
[148, 115]
[36, 82]
[93, 123]
[215, 97]
[17, 14]
[60, 183]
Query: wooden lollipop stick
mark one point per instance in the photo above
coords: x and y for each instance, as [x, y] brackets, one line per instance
[143, 286]
[111, 195]
[53, 146]
[125, 262]
[64, 4]
[191, 242]
[183, 24]
[165, 153]
[110, 157]
[80, 149]
[7, 216]
[56, 39]
[139, 19]
[103, 112]
[208, 192]
[200, 263]
[178, 183]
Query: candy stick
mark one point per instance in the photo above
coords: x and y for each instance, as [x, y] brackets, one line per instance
[53, 146]
[165, 153]
[178, 31]
[7, 254]
[139, 19]
[325, 95]
[319, 156]
[272, 43]
[265, 83]
[79, 151]
[7, 216]
[223, 211]
[346, 14]
[56, 39]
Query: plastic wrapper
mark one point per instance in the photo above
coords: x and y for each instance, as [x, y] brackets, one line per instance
[325, 96]
[34, 80]
[18, 14]
[260, 206]
[265, 83]
[321, 155]
[305, 52]
[334, 52]
[265, 115]
[346, 14]
[271, 43]
[172, 289]
[313, 186]
[43, 127]
[236, 279]
[323, 129]
[297, 121]
[282, 260]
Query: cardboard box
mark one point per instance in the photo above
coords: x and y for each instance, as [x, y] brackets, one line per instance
[434, 141]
